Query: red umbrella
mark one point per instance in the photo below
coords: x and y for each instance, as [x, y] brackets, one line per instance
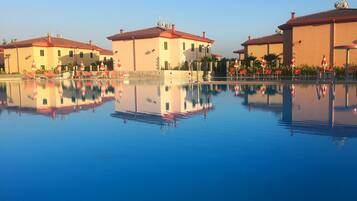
[236, 64]
[33, 67]
[264, 63]
[102, 67]
[324, 62]
[82, 66]
[59, 66]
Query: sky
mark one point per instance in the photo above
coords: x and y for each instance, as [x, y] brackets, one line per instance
[228, 22]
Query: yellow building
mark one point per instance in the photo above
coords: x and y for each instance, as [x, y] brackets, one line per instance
[241, 54]
[1, 59]
[47, 53]
[57, 98]
[259, 47]
[309, 38]
[158, 48]
[105, 55]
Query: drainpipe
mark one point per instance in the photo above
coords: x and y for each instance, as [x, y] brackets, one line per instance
[347, 63]
[17, 58]
[134, 53]
[332, 43]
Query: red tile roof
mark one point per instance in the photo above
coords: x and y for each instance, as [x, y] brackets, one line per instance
[51, 42]
[272, 39]
[217, 56]
[336, 15]
[157, 32]
[241, 51]
[105, 52]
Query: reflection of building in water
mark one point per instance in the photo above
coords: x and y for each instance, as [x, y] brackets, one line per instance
[312, 109]
[331, 108]
[3, 98]
[57, 97]
[161, 104]
[263, 97]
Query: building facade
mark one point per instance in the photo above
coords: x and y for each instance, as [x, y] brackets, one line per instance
[1, 59]
[47, 53]
[158, 48]
[259, 47]
[240, 54]
[309, 38]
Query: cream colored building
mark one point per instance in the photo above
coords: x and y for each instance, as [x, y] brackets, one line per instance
[158, 48]
[47, 53]
[160, 104]
[105, 55]
[309, 38]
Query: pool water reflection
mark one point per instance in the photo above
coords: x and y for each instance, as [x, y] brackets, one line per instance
[110, 140]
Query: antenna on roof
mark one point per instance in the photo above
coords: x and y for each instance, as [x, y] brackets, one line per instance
[342, 4]
[164, 24]
[279, 31]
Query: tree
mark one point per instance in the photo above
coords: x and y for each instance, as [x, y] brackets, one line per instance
[271, 59]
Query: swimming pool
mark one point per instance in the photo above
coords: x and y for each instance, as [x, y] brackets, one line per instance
[158, 140]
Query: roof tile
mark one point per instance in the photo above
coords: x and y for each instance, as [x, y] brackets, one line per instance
[157, 32]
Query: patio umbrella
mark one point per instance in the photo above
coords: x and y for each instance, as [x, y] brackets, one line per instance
[82, 66]
[83, 91]
[264, 63]
[324, 62]
[33, 67]
[118, 65]
[59, 66]
[102, 67]
[236, 64]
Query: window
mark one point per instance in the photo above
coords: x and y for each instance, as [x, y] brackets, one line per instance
[44, 101]
[185, 105]
[167, 106]
[62, 101]
[166, 65]
[166, 46]
[184, 46]
[192, 47]
[200, 48]
[81, 55]
[208, 50]
[91, 55]
[42, 53]
[59, 53]
[105, 58]
[70, 53]
[43, 67]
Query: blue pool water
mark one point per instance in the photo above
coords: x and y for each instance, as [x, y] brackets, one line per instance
[138, 141]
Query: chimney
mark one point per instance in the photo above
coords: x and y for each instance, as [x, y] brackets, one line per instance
[121, 31]
[90, 43]
[49, 37]
[204, 34]
[173, 28]
[249, 37]
[293, 15]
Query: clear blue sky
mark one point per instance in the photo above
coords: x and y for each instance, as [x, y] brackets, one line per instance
[228, 22]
